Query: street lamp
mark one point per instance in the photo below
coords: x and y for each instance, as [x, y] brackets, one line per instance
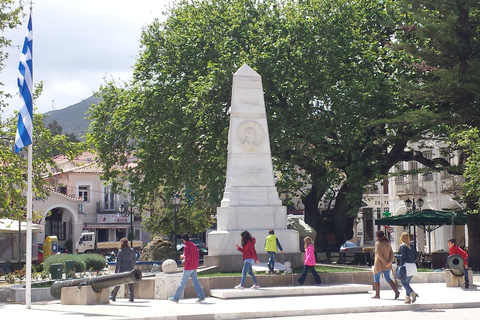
[412, 205]
[125, 213]
[412, 208]
[176, 199]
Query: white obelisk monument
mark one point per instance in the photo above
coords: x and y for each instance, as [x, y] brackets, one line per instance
[250, 200]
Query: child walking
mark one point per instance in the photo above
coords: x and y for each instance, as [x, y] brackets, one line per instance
[249, 256]
[309, 263]
[271, 245]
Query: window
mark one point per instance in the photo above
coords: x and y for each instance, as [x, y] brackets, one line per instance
[83, 193]
[398, 169]
[414, 167]
[428, 176]
[57, 228]
[109, 199]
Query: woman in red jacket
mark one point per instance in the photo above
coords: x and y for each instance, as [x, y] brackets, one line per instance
[249, 256]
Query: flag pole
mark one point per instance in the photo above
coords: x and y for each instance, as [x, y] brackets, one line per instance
[28, 266]
[23, 138]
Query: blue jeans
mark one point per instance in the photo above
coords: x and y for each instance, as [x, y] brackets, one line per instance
[302, 278]
[183, 283]
[386, 274]
[247, 267]
[271, 260]
[406, 284]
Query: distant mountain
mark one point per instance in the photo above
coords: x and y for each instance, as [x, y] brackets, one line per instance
[72, 119]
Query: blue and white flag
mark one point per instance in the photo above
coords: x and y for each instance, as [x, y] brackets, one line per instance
[23, 137]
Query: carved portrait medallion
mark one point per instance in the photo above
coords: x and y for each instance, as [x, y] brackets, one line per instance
[250, 136]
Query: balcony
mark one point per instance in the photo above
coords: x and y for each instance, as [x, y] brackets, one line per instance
[408, 188]
[107, 207]
[452, 183]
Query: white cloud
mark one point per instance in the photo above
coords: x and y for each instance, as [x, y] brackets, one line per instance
[78, 43]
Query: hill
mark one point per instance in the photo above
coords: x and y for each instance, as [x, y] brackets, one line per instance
[73, 119]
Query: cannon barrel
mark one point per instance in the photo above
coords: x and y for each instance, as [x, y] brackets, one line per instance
[455, 263]
[98, 283]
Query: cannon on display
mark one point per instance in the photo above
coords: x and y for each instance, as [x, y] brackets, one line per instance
[98, 283]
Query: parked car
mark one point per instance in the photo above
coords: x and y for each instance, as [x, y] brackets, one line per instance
[350, 247]
[198, 242]
[40, 253]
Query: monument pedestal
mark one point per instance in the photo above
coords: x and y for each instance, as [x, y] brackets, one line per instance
[84, 296]
[454, 281]
[166, 285]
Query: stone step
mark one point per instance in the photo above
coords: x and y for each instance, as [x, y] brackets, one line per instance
[326, 289]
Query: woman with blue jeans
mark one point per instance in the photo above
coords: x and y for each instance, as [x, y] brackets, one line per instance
[407, 257]
[383, 264]
[249, 256]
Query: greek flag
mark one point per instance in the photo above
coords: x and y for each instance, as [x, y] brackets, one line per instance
[23, 137]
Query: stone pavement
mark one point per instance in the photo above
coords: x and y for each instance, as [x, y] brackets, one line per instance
[431, 296]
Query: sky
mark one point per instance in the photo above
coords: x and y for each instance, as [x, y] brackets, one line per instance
[77, 45]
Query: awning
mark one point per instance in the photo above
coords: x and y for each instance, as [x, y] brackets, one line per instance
[11, 226]
[106, 226]
[428, 220]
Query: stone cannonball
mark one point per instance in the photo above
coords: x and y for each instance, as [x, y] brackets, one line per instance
[169, 266]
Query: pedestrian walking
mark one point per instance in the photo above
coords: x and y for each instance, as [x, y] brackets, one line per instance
[407, 256]
[271, 245]
[454, 249]
[383, 264]
[191, 256]
[126, 259]
[249, 256]
[309, 263]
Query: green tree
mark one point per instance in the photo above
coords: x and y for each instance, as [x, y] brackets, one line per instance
[337, 115]
[444, 37]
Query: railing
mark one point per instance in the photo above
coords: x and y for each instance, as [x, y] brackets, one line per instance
[452, 183]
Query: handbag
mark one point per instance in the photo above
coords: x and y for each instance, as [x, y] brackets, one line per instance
[400, 273]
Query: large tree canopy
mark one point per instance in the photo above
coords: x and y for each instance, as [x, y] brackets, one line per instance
[334, 78]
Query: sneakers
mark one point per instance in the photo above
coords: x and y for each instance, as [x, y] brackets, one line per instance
[200, 300]
[467, 285]
[255, 286]
[240, 286]
[173, 299]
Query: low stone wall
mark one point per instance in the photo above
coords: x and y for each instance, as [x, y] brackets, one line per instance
[278, 280]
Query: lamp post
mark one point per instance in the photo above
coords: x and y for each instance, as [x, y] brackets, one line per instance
[412, 208]
[411, 204]
[125, 213]
[176, 199]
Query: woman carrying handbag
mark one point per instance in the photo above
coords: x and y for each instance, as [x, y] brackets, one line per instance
[407, 256]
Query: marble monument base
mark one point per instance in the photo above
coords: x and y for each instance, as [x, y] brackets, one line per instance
[223, 253]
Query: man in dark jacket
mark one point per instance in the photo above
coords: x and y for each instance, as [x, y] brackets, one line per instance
[125, 262]
[191, 255]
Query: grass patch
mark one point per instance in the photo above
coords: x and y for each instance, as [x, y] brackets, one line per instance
[321, 269]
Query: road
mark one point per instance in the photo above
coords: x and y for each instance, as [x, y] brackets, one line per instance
[434, 314]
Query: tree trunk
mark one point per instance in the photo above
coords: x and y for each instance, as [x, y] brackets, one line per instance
[474, 241]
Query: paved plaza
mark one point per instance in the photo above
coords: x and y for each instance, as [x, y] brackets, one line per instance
[432, 296]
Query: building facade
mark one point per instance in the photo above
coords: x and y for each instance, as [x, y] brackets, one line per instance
[80, 201]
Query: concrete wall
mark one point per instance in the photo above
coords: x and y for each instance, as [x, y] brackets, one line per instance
[278, 280]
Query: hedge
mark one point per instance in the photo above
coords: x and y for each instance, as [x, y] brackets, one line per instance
[83, 262]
